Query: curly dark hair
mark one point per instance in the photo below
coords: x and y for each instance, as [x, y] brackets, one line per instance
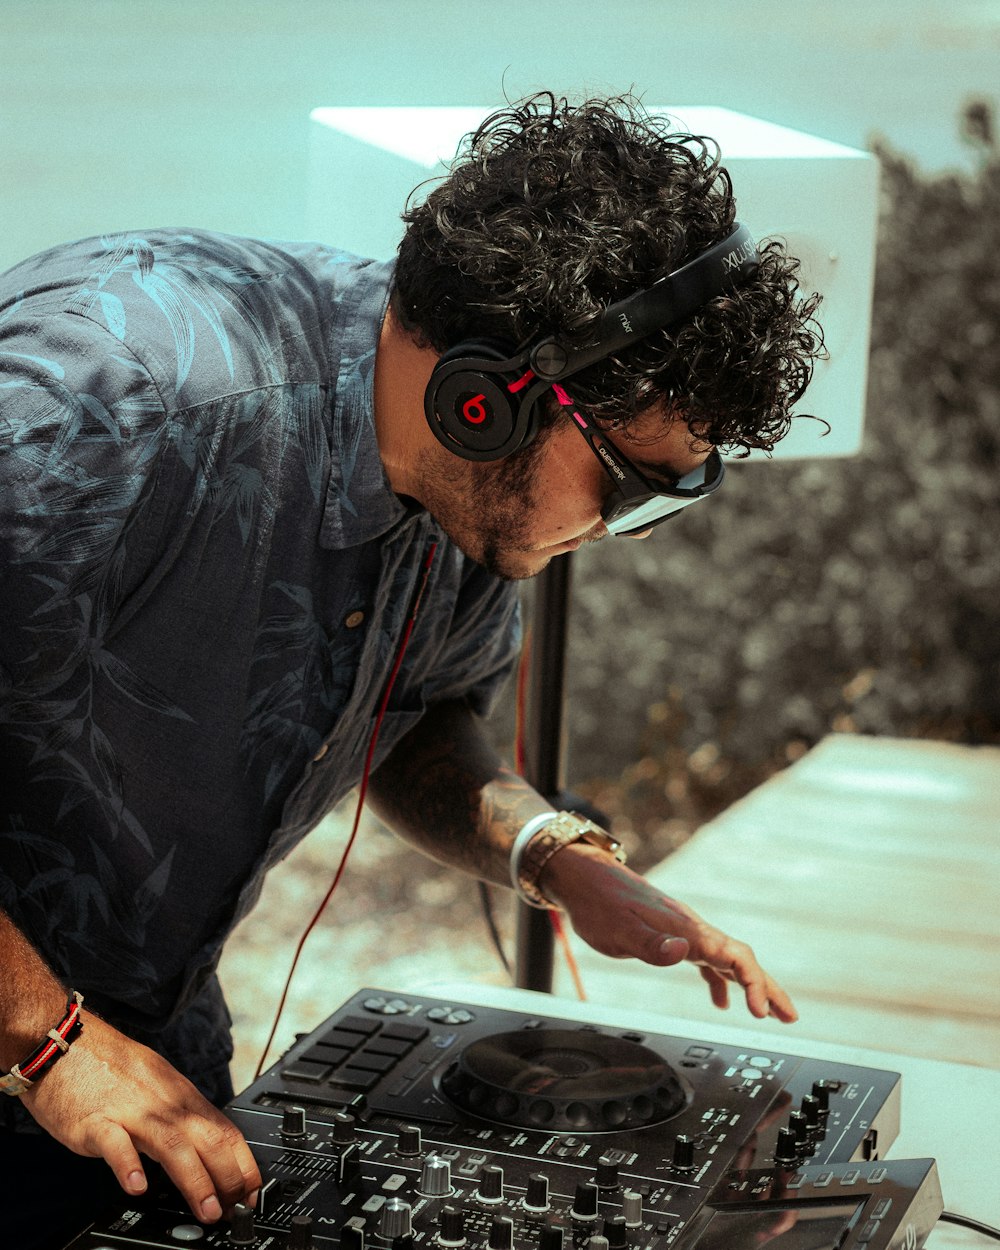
[553, 210]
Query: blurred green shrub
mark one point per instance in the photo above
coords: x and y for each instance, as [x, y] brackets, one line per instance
[857, 595]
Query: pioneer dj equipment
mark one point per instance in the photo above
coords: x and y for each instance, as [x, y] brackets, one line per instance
[407, 1123]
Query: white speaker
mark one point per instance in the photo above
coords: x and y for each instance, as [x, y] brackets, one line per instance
[820, 197]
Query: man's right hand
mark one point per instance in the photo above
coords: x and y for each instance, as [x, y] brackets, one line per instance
[110, 1097]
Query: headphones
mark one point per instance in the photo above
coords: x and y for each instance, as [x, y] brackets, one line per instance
[480, 401]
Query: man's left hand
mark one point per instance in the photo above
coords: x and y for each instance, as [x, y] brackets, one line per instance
[621, 914]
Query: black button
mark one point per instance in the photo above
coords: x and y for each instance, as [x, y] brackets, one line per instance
[373, 1063]
[340, 1037]
[321, 1053]
[358, 1024]
[405, 1032]
[303, 1070]
[383, 1045]
[354, 1078]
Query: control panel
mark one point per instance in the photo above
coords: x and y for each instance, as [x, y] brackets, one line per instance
[407, 1123]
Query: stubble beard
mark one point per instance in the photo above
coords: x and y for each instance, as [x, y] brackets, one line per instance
[487, 509]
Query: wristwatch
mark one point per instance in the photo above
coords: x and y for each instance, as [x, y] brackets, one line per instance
[561, 829]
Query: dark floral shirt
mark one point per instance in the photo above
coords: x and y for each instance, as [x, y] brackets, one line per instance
[204, 577]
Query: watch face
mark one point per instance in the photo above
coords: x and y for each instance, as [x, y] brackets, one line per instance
[587, 831]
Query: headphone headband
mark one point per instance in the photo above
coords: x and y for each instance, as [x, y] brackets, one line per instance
[667, 302]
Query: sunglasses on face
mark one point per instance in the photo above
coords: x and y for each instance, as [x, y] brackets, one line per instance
[637, 502]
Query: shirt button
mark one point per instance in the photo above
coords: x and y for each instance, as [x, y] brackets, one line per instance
[320, 753]
[354, 620]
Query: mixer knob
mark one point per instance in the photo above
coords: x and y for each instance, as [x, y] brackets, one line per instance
[501, 1233]
[536, 1194]
[597, 1243]
[300, 1233]
[810, 1109]
[395, 1219]
[797, 1123]
[452, 1227]
[343, 1128]
[550, 1238]
[409, 1142]
[491, 1184]
[293, 1122]
[585, 1203]
[787, 1150]
[683, 1153]
[435, 1177]
[632, 1208]
[607, 1173]
[241, 1229]
[616, 1231]
[352, 1237]
[822, 1093]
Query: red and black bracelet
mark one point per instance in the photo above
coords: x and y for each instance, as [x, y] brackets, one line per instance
[55, 1044]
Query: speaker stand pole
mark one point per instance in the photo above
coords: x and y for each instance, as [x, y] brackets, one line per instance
[543, 747]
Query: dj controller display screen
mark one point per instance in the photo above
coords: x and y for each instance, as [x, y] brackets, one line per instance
[813, 1227]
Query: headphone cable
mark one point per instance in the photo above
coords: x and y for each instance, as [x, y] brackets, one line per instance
[966, 1221]
[362, 794]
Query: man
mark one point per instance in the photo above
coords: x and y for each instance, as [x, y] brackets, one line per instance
[222, 502]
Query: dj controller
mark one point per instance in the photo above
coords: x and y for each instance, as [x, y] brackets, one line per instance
[409, 1123]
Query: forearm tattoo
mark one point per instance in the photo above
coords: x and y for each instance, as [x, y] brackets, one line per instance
[445, 790]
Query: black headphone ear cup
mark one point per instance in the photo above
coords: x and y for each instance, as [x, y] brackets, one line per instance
[470, 407]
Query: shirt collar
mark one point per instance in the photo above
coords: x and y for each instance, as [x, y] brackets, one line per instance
[360, 504]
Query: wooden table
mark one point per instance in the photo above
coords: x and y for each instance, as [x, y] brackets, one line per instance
[867, 879]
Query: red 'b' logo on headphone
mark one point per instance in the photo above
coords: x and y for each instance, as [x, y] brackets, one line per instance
[474, 410]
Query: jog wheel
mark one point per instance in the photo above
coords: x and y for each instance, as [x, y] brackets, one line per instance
[562, 1080]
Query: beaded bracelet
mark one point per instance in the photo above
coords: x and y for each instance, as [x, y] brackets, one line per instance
[57, 1041]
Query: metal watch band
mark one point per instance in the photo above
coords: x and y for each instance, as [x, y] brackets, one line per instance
[560, 830]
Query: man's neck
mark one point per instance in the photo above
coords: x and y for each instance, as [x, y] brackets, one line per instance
[402, 370]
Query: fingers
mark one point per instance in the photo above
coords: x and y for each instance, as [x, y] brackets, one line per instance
[209, 1162]
[668, 951]
[764, 997]
[781, 1006]
[113, 1144]
[205, 1157]
[720, 958]
[718, 987]
[735, 961]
